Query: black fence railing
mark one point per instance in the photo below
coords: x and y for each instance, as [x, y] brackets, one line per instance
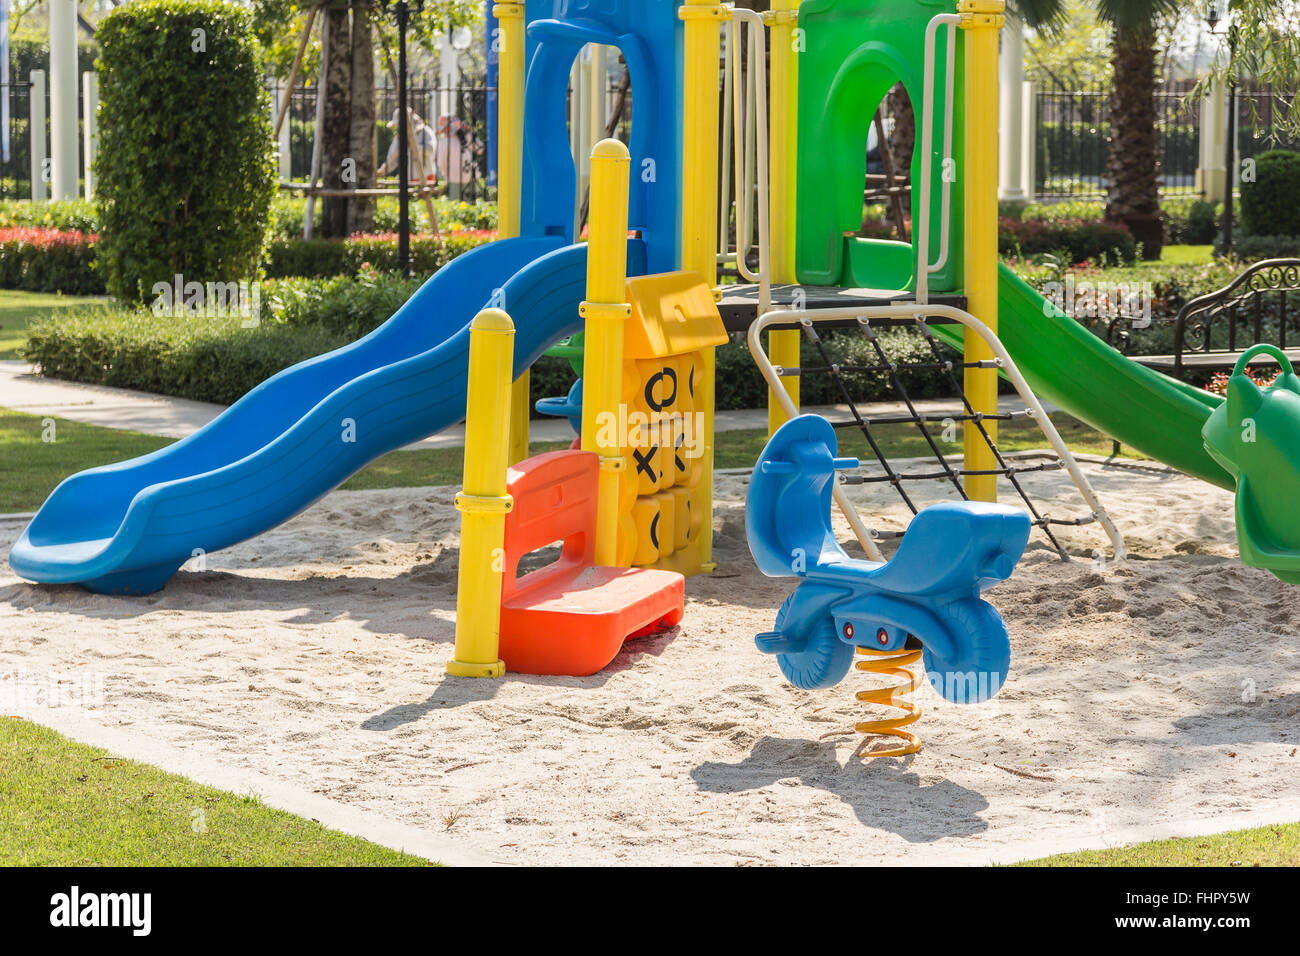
[466, 104]
[1074, 137]
[1074, 141]
[16, 171]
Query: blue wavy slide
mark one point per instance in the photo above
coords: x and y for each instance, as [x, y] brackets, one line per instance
[127, 528]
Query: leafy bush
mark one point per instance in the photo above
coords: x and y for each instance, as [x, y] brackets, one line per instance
[185, 169]
[341, 306]
[1079, 240]
[1270, 206]
[350, 257]
[289, 212]
[77, 215]
[49, 260]
[1192, 222]
[1250, 248]
[1072, 210]
[313, 258]
[208, 360]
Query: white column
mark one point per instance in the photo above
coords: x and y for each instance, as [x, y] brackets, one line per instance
[599, 95]
[283, 146]
[40, 188]
[63, 98]
[89, 129]
[447, 75]
[1211, 177]
[1029, 138]
[1011, 77]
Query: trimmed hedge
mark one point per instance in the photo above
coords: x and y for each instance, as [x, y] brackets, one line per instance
[208, 360]
[185, 172]
[1270, 206]
[321, 258]
[1251, 248]
[1079, 240]
[72, 215]
[289, 212]
[47, 260]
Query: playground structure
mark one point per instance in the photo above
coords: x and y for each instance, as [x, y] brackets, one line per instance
[632, 503]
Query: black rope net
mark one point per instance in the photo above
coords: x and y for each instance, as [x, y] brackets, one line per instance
[1012, 469]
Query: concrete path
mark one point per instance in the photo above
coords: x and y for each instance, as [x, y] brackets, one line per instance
[23, 391]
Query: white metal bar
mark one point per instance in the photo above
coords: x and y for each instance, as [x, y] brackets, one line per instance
[36, 129]
[1005, 362]
[951, 20]
[749, 114]
[724, 212]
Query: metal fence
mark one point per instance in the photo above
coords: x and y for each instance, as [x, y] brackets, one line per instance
[1073, 142]
[467, 103]
[1073, 128]
[16, 173]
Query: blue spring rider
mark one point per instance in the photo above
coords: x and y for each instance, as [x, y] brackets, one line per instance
[928, 593]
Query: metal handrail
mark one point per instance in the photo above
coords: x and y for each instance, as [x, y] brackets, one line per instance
[748, 110]
[1005, 363]
[951, 20]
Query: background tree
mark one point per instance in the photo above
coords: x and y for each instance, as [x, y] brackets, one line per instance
[1133, 160]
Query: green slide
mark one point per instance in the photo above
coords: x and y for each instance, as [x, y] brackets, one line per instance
[1070, 367]
[1247, 444]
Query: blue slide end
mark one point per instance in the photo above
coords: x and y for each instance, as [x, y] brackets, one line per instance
[127, 528]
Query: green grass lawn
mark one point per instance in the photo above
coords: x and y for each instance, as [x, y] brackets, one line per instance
[1265, 846]
[31, 467]
[67, 804]
[1185, 256]
[18, 309]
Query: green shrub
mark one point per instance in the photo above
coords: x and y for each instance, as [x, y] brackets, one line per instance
[351, 257]
[1191, 220]
[1072, 210]
[341, 306]
[1079, 240]
[316, 258]
[69, 215]
[208, 360]
[1251, 248]
[289, 212]
[1270, 206]
[185, 169]
[48, 260]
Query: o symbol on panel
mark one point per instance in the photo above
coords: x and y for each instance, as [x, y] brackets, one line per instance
[662, 375]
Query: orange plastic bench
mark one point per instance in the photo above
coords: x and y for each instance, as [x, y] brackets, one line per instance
[571, 617]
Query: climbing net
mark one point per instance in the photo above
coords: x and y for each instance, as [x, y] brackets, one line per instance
[884, 471]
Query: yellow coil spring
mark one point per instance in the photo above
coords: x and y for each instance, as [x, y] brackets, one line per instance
[890, 664]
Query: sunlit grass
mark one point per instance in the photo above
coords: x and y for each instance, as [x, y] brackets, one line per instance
[1264, 846]
[64, 803]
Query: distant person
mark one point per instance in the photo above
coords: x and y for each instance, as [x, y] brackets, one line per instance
[426, 148]
[457, 153]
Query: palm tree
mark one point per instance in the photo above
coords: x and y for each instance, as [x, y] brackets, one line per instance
[1133, 162]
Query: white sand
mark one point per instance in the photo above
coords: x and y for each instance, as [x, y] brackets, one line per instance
[1162, 696]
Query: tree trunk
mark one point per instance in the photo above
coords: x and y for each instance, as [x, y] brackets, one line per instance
[336, 156]
[902, 141]
[1133, 164]
[361, 145]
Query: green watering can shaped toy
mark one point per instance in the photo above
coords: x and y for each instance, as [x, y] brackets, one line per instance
[1255, 436]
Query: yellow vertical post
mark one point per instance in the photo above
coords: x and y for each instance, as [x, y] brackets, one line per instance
[483, 504]
[981, 20]
[510, 176]
[700, 118]
[783, 345]
[606, 312]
